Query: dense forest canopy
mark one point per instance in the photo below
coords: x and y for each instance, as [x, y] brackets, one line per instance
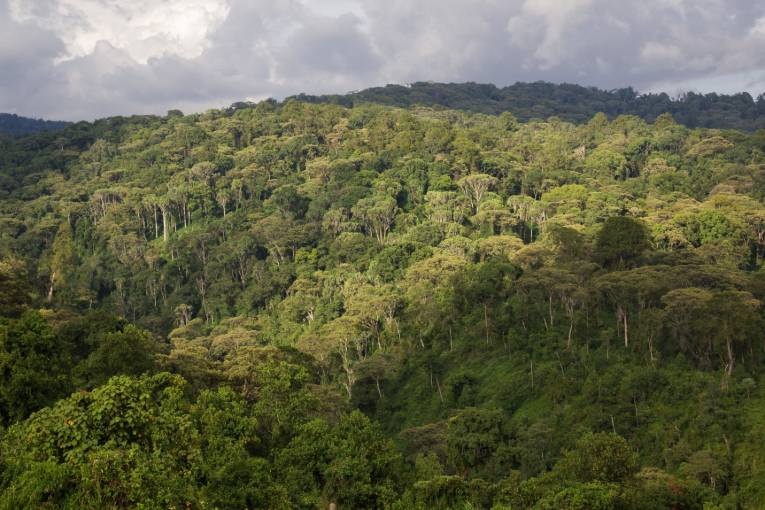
[291, 305]
[572, 103]
[13, 125]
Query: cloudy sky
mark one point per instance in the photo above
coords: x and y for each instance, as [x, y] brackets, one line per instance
[82, 59]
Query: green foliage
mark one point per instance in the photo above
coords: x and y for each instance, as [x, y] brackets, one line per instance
[40, 364]
[291, 305]
[125, 443]
[33, 366]
[130, 352]
[587, 496]
[14, 288]
[621, 240]
[352, 464]
[473, 438]
[599, 458]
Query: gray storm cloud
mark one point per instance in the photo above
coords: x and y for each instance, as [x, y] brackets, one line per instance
[82, 59]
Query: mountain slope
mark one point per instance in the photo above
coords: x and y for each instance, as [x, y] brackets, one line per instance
[383, 308]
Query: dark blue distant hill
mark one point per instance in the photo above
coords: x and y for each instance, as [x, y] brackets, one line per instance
[12, 124]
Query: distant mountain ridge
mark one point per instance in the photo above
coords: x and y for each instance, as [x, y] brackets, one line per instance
[12, 124]
[573, 103]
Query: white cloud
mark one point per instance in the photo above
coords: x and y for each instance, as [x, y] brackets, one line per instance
[87, 58]
[142, 28]
[544, 26]
[656, 53]
[758, 30]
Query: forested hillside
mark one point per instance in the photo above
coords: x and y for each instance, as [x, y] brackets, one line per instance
[572, 103]
[11, 124]
[291, 305]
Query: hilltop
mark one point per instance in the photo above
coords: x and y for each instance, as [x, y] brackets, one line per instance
[572, 103]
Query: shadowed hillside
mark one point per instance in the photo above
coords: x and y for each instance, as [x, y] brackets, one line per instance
[572, 103]
[11, 124]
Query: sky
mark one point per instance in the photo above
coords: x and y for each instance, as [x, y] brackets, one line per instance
[85, 59]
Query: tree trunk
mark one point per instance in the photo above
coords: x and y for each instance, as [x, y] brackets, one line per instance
[531, 362]
[486, 322]
[570, 332]
[440, 393]
[50, 288]
[637, 418]
[165, 233]
[731, 357]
